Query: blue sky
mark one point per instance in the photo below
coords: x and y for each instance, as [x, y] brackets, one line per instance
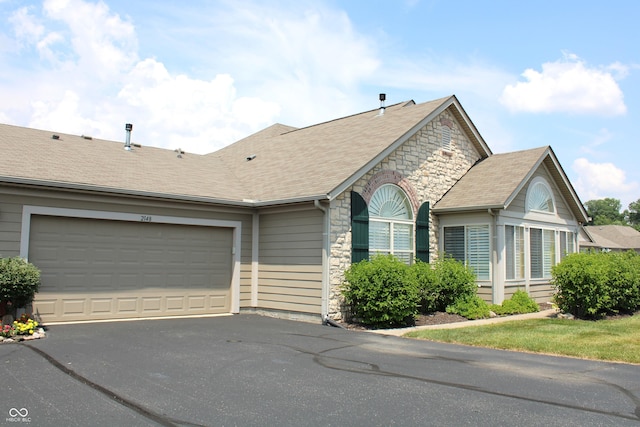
[199, 75]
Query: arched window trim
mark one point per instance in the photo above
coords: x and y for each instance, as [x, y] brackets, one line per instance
[538, 186]
[400, 222]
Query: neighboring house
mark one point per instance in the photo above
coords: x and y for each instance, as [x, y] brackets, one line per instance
[607, 238]
[271, 222]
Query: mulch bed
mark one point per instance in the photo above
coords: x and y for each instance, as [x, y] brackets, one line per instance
[437, 318]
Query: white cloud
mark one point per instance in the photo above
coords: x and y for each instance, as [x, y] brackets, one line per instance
[195, 115]
[64, 114]
[102, 42]
[25, 26]
[568, 85]
[308, 59]
[90, 79]
[600, 180]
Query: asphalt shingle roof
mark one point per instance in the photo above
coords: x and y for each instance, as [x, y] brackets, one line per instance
[620, 237]
[312, 161]
[492, 182]
[33, 156]
[277, 165]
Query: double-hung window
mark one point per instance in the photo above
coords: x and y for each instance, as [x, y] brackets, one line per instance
[542, 252]
[391, 223]
[470, 244]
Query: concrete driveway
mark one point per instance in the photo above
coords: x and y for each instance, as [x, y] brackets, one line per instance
[248, 370]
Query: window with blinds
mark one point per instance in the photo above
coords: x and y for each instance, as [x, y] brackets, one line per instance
[514, 248]
[391, 223]
[471, 245]
[542, 252]
[549, 258]
[567, 243]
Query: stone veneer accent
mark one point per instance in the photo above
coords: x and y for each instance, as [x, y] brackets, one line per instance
[422, 169]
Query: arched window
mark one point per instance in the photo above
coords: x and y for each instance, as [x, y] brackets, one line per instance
[540, 197]
[391, 223]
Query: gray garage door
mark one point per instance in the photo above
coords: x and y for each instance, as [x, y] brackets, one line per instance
[99, 269]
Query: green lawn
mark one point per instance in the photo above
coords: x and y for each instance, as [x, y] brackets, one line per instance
[612, 340]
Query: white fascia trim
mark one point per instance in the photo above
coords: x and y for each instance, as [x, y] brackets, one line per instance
[480, 209]
[293, 200]
[28, 211]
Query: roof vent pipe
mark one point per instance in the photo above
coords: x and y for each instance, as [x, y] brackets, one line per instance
[383, 97]
[127, 145]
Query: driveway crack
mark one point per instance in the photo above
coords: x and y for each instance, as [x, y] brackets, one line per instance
[153, 416]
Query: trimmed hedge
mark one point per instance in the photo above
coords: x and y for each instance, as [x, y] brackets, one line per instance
[442, 283]
[385, 292]
[592, 285]
[381, 292]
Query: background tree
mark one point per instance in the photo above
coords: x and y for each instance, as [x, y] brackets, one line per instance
[605, 212]
[632, 215]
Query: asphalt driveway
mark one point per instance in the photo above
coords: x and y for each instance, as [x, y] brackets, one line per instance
[250, 370]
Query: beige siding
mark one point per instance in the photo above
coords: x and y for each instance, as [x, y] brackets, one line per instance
[541, 292]
[10, 224]
[485, 292]
[290, 271]
[12, 200]
[509, 290]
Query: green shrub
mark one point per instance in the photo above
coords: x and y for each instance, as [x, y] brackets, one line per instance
[19, 281]
[580, 282]
[381, 292]
[519, 303]
[623, 279]
[424, 277]
[449, 281]
[470, 306]
[591, 285]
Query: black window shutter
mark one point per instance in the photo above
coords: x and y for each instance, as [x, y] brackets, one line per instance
[422, 233]
[359, 228]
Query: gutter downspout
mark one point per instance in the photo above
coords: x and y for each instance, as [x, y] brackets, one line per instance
[255, 257]
[325, 260]
[496, 294]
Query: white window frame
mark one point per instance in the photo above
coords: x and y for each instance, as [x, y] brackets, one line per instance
[515, 252]
[481, 259]
[405, 254]
[567, 244]
[539, 186]
[549, 249]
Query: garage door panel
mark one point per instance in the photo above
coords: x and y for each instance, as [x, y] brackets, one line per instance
[100, 269]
